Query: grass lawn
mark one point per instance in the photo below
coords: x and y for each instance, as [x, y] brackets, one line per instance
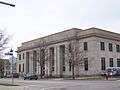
[93, 78]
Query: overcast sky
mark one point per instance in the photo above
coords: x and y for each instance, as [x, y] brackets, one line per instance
[32, 19]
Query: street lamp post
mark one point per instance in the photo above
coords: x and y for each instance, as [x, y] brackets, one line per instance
[11, 54]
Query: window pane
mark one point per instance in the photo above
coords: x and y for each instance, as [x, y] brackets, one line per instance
[52, 68]
[111, 62]
[63, 68]
[118, 62]
[19, 56]
[85, 46]
[103, 64]
[86, 64]
[23, 55]
[23, 67]
[110, 47]
[117, 48]
[102, 45]
[19, 67]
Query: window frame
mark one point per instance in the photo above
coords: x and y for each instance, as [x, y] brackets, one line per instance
[19, 67]
[111, 63]
[103, 63]
[110, 45]
[118, 62]
[19, 55]
[102, 46]
[85, 46]
[117, 48]
[86, 67]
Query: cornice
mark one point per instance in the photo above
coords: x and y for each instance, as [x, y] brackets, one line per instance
[89, 33]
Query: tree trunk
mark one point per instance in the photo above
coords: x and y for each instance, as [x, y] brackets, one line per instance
[41, 72]
[73, 72]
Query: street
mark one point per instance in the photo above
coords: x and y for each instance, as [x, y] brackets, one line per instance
[61, 85]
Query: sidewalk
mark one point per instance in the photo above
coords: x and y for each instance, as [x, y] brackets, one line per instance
[11, 88]
[20, 88]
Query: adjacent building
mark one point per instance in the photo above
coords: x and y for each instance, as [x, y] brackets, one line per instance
[8, 66]
[47, 55]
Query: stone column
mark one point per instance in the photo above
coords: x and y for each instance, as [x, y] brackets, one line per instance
[58, 66]
[30, 62]
[55, 60]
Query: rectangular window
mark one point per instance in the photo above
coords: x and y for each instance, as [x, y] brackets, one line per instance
[23, 55]
[19, 56]
[103, 67]
[19, 67]
[63, 68]
[52, 68]
[85, 46]
[111, 62]
[70, 66]
[86, 64]
[117, 48]
[110, 47]
[118, 62]
[102, 45]
[23, 67]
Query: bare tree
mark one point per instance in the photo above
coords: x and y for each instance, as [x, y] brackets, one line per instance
[46, 58]
[42, 58]
[3, 40]
[3, 45]
[1, 67]
[75, 56]
[51, 61]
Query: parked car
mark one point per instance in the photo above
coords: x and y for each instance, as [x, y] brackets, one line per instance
[114, 70]
[8, 76]
[31, 77]
[15, 75]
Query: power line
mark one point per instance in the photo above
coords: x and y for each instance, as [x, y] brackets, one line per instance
[12, 5]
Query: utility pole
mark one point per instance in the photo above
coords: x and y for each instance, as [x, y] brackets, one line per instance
[12, 5]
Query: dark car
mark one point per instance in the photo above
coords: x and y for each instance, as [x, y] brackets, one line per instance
[31, 77]
[15, 75]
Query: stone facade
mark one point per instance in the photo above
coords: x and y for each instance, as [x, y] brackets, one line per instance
[32, 61]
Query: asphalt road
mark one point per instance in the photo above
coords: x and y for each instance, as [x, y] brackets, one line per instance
[64, 84]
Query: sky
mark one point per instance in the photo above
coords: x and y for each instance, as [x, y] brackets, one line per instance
[31, 19]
